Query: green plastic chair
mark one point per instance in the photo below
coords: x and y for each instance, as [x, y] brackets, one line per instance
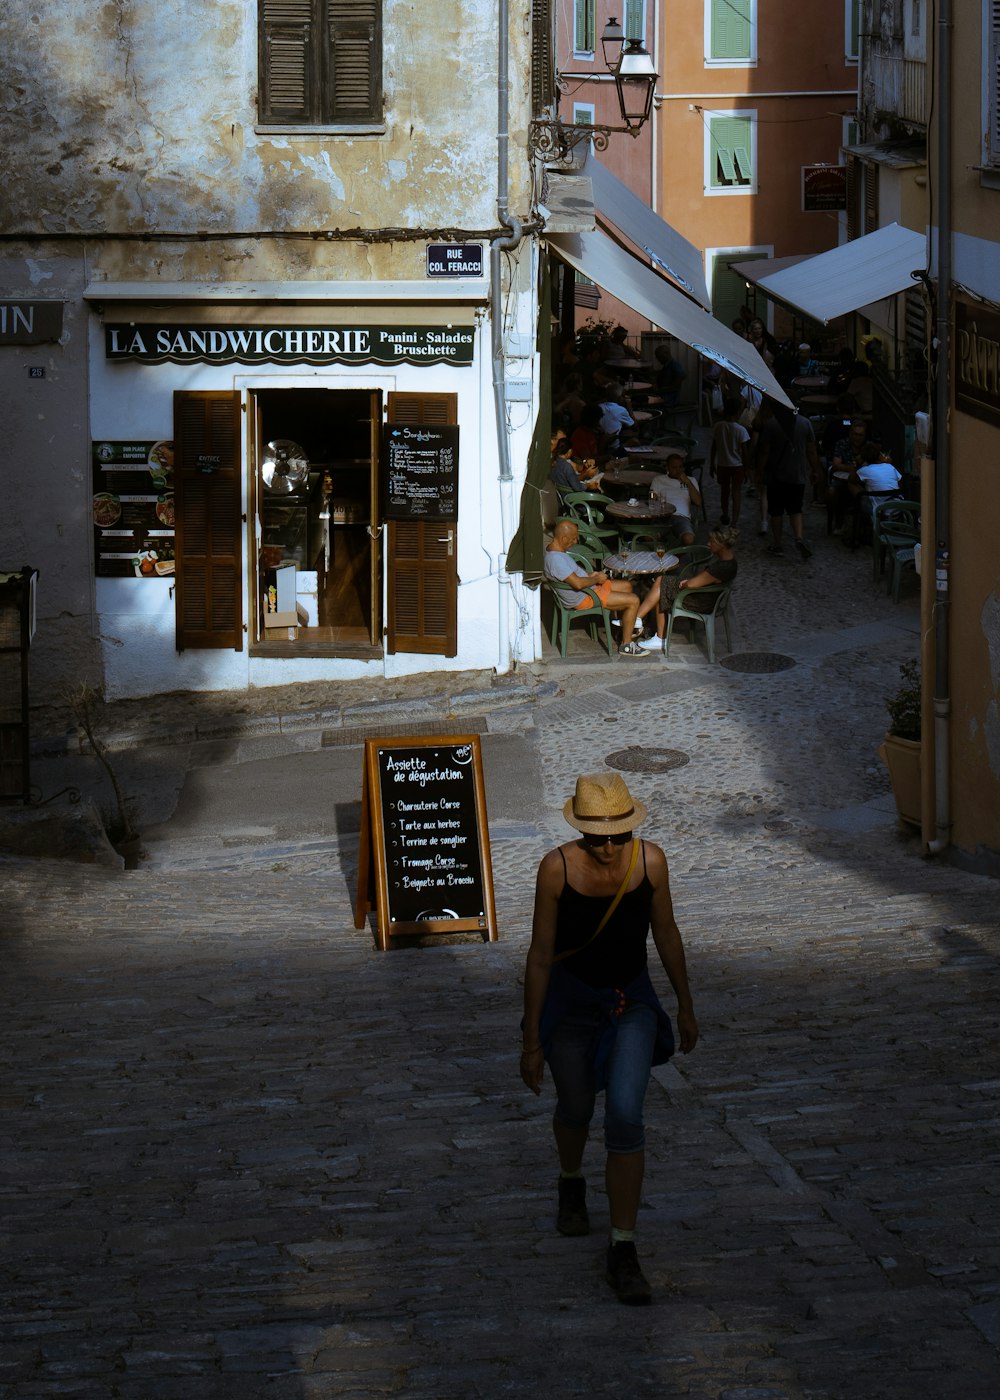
[564, 614]
[719, 592]
[587, 505]
[895, 526]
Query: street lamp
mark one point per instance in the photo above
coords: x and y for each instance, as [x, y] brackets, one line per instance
[635, 82]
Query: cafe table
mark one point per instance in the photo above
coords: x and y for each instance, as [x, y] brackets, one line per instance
[634, 512]
[640, 563]
[629, 479]
[810, 381]
[628, 362]
[653, 454]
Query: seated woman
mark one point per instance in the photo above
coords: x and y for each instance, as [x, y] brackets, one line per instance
[721, 568]
[567, 474]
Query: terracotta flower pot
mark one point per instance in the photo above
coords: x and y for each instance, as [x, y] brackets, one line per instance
[902, 758]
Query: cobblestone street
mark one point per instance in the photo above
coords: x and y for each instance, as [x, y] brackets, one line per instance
[250, 1156]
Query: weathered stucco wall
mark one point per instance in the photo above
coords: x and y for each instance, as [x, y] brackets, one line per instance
[124, 116]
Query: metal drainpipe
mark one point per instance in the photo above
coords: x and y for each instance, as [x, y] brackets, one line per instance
[942, 440]
[497, 247]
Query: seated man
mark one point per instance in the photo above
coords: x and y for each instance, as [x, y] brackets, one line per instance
[568, 475]
[615, 417]
[617, 595]
[875, 477]
[682, 493]
[721, 568]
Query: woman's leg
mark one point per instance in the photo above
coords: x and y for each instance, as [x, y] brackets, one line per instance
[624, 1133]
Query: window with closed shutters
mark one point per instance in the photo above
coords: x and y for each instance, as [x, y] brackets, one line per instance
[991, 81]
[543, 67]
[320, 62]
[421, 555]
[207, 498]
[584, 26]
[730, 33]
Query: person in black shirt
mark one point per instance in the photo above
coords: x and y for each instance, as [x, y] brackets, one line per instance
[590, 1008]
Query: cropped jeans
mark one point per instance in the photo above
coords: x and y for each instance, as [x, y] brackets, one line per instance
[572, 1055]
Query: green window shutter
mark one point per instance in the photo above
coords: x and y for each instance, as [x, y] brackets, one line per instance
[635, 19]
[731, 147]
[854, 32]
[729, 289]
[355, 61]
[731, 29]
[583, 30]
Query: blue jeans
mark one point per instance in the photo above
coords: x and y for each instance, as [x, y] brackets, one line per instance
[571, 1060]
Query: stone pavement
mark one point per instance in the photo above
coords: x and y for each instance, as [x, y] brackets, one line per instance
[248, 1155]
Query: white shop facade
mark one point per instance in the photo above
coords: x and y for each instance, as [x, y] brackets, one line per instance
[288, 487]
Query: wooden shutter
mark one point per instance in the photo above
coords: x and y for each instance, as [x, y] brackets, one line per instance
[543, 68]
[421, 555]
[731, 32]
[728, 136]
[288, 61]
[207, 496]
[634, 26]
[354, 60]
[993, 85]
[870, 196]
[583, 26]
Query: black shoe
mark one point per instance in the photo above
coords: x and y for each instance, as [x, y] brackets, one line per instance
[803, 549]
[624, 1274]
[573, 1218]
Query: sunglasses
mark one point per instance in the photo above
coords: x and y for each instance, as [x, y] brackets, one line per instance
[591, 838]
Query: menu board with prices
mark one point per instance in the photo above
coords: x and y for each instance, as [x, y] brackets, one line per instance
[422, 471]
[133, 508]
[424, 862]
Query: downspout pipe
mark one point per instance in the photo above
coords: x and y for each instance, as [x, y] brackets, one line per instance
[942, 440]
[498, 246]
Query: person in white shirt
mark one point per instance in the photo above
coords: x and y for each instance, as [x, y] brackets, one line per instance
[875, 477]
[727, 461]
[614, 417]
[682, 493]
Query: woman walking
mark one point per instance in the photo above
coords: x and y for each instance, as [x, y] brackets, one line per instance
[590, 1008]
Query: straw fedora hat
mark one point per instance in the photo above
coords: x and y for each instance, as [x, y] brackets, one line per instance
[603, 805]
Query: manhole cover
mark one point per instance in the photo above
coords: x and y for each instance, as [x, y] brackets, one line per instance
[640, 760]
[758, 662]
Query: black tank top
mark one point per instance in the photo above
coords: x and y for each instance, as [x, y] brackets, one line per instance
[618, 954]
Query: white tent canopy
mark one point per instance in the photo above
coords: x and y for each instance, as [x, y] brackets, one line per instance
[664, 246]
[844, 279]
[623, 276]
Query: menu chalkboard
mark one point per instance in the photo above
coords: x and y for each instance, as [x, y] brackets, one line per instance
[422, 474]
[425, 855]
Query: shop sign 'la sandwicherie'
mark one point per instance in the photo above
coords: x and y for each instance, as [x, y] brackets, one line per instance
[314, 345]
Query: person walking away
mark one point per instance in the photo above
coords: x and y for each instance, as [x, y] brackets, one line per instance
[727, 460]
[788, 459]
[590, 1008]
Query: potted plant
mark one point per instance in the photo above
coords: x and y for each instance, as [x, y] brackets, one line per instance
[122, 834]
[901, 747]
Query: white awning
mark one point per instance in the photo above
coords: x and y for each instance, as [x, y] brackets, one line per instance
[433, 290]
[598, 257]
[664, 246]
[844, 279]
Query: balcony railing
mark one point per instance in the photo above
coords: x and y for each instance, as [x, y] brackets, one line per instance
[899, 86]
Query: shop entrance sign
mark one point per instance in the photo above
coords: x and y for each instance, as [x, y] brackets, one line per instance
[424, 864]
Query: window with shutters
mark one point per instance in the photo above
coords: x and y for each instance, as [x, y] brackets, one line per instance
[730, 33]
[730, 152]
[320, 62]
[852, 30]
[991, 85]
[634, 24]
[584, 27]
[729, 288]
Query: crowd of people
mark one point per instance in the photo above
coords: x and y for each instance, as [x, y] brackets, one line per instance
[760, 452]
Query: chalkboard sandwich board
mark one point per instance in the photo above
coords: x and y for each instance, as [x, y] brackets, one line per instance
[422, 472]
[425, 848]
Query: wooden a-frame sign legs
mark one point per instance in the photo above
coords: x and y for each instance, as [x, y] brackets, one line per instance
[424, 863]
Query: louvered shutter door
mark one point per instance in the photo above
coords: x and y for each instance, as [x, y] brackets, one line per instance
[870, 196]
[421, 574]
[543, 77]
[729, 135]
[208, 594]
[354, 58]
[288, 60]
[635, 19]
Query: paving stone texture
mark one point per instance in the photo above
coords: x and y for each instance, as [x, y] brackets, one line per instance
[249, 1156]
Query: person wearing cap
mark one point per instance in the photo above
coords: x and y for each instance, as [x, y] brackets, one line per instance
[590, 1008]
